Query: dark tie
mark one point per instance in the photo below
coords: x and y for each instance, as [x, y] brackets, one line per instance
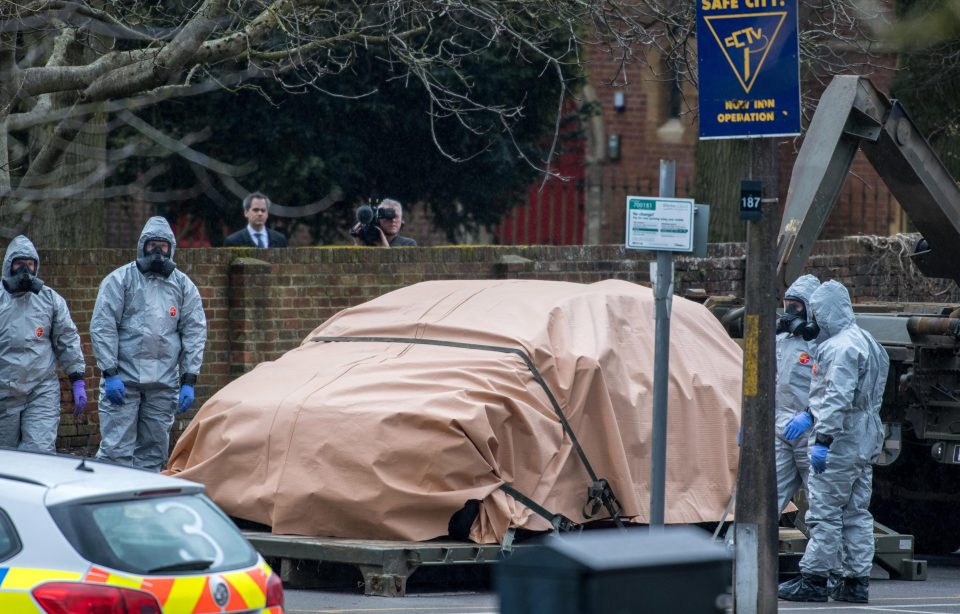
[259, 239]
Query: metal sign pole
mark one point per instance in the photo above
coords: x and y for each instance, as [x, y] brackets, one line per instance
[661, 275]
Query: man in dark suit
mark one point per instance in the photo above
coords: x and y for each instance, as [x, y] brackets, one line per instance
[256, 208]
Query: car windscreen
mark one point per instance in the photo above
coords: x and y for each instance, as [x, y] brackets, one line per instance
[157, 535]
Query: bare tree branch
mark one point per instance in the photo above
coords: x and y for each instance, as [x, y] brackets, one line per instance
[22, 121]
[136, 54]
[181, 149]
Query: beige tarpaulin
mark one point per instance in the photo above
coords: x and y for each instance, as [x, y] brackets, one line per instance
[387, 440]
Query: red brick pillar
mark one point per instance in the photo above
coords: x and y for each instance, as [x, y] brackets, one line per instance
[252, 321]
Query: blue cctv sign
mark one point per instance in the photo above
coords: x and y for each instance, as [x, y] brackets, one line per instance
[749, 70]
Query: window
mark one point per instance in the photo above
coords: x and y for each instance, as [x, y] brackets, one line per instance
[157, 535]
[674, 98]
[9, 540]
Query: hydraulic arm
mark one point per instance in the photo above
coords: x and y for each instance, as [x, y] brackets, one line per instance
[853, 114]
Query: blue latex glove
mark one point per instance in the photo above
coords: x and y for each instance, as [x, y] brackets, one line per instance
[798, 425]
[186, 398]
[79, 397]
[739, 437]
[115, 390]
[818, 458]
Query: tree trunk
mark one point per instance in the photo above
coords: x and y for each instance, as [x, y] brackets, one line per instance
[721, 165]
[7, 58]
[78, 219]
[593, 174]
[4, 157]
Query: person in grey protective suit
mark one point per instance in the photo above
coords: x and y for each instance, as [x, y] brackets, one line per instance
[796, 346]
[849, 375]
[148, 330]
[36, 333]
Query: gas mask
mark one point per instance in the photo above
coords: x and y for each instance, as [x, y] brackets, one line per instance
[22, 279]
[155, 261]
[794, 321]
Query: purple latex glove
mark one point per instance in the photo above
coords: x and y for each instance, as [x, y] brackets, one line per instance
[79, 397]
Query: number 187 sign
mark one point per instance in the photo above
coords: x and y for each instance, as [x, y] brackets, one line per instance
[660, 224]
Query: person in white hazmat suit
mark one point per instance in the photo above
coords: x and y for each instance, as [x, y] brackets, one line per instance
[796, 347]
[148, 330]
[849, 375]
[36, 333]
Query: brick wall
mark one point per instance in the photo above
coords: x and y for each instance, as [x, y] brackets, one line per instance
[260, 303]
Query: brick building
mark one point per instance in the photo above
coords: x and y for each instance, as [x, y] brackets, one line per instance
[645, 117]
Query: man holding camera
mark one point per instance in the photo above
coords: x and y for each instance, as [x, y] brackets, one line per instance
[379, 226]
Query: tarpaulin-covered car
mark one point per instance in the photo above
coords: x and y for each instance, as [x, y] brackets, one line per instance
[503, 403]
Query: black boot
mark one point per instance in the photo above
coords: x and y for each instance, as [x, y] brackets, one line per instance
[854, 590]
[808, 587]
[791, 583]
[833, 581]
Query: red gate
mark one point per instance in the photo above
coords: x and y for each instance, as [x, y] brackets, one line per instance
[554, 212]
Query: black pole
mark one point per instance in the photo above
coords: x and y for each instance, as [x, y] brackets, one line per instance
[756, 513]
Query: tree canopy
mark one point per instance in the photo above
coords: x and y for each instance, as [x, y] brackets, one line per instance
[70, 71]
[928, 82]
[375, 139]
[73, 71]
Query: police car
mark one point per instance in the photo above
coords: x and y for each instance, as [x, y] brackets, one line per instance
[83, 536]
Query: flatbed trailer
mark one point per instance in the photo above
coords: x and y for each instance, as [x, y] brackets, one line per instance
[893, 552]
[386, 565]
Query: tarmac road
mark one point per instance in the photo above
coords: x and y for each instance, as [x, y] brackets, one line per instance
[939, 594]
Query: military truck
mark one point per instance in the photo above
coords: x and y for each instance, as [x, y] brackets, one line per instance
[917, 480]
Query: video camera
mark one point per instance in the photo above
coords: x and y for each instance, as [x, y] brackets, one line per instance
[369, 216]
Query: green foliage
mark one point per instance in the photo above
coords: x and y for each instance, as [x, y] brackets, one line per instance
[928, 81]
[372, 139]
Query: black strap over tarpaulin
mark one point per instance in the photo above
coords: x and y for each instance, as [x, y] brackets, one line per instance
[559, 522]
[599, 492]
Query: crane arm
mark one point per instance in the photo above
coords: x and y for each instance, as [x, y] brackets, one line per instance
[853, 114]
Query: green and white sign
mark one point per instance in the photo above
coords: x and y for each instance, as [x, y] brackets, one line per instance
[660, 224]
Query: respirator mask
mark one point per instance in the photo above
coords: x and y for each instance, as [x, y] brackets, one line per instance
[794, 321]
[22, 279]
[155, 261]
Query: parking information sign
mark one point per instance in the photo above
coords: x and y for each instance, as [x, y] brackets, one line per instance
[661, 224]
[748, 62]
